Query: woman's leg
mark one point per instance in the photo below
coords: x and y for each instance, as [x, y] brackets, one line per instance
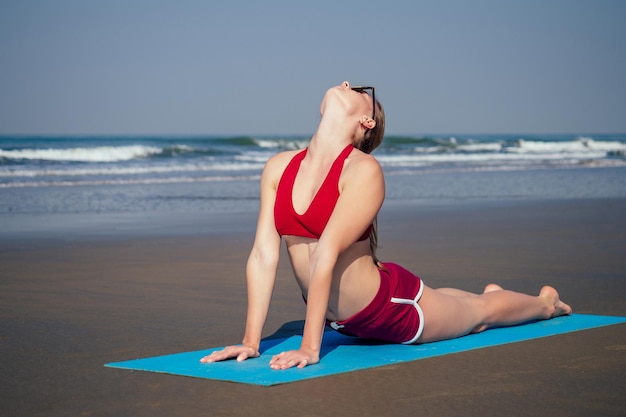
[450, 314]
[456, 292]
[461, 293]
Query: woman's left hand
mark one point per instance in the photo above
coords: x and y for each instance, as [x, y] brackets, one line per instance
[291, 358]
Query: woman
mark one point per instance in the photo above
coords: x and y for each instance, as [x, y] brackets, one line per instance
[323, 202]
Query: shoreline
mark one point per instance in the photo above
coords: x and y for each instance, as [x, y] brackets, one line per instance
[197, 209]
[128, 225]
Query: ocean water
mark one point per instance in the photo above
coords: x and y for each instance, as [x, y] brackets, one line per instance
[127, 183]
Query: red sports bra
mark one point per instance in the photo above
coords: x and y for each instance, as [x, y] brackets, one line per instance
[313, 221]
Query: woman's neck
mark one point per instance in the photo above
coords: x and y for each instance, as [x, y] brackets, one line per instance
[331, 137]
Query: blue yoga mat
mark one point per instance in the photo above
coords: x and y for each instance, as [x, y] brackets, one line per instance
[345, 354]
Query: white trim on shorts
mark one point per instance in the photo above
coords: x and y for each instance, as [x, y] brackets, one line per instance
[420, 313]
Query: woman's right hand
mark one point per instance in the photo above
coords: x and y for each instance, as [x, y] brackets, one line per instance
[241, 352]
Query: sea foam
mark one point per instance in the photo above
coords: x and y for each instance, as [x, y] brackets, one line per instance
[95, 154]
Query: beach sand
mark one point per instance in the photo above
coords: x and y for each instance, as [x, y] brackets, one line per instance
[68, 306]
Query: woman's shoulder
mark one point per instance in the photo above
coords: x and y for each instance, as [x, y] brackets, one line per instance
[359, 163]
[284, 156]
[362, 170]
[276, 164]
[281, 159]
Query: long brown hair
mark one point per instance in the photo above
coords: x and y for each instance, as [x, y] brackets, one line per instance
[372, 139]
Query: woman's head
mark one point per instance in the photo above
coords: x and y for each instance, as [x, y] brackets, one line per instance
[358, 105]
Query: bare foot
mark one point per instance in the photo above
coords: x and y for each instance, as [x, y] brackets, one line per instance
[560, 308]
[491, 288]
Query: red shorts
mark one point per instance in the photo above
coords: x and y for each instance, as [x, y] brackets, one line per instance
[393, 315]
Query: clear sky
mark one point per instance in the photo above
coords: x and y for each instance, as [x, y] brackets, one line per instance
[262, 67]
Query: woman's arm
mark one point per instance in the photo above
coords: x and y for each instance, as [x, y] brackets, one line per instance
[260, 268]
[362, 195]
[263, 261]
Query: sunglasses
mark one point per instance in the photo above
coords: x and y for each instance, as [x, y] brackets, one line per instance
[363, 89]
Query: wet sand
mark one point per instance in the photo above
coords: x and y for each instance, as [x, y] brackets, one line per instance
[68, 306]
